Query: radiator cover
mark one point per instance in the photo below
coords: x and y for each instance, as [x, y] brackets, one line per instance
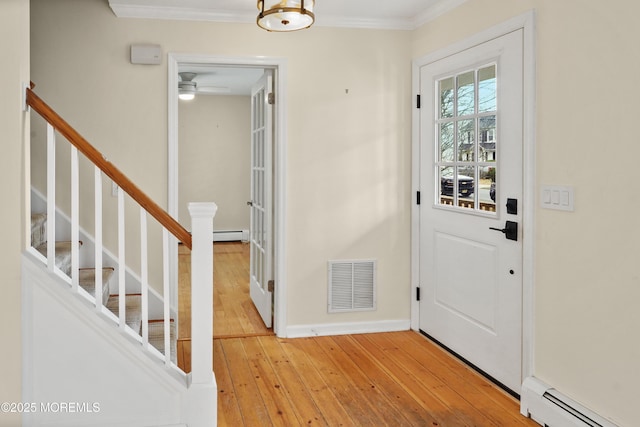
[548, 407]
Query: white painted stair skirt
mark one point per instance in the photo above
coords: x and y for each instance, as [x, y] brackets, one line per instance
[81, 368]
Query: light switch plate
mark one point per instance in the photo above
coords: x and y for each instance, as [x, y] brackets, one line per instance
[557, 197]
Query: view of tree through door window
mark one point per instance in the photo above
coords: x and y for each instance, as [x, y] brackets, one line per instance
[466, 139]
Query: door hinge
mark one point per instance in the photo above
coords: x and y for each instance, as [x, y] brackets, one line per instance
[418, 293]
[271, 98]
[418, 197]
[417, 101]
[271, 286]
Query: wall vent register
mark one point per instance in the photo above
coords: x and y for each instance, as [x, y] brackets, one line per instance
[352, 286]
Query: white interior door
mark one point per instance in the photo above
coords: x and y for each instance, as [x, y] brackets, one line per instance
[261, 201]
[471, 136]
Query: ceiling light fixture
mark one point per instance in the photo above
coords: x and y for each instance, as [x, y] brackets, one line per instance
[186, 87]
[285, 15]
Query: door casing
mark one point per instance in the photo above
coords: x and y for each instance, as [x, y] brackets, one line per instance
[279, 65]
[526, 23]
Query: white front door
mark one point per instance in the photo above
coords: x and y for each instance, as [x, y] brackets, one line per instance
[471, 143]
[260, 238]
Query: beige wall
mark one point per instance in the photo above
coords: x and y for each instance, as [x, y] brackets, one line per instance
[587, 286]
[214, 155]
[348, 155]
[14, 45]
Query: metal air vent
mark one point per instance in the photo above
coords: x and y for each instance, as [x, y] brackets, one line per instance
[352, 286]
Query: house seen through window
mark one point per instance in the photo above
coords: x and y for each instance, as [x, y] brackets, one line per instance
[466, 139]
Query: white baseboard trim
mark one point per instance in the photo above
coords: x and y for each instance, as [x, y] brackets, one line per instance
[326, 329]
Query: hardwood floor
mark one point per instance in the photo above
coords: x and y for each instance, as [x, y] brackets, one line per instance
[394, 379]
[233, 311]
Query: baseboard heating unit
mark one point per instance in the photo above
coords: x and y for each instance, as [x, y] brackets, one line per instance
[548, 407]
[231, 236]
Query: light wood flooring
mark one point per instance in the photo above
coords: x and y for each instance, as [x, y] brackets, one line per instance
[233, 312]
[388, 379]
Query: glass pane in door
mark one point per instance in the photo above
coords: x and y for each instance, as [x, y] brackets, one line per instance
[467, 140]
[487, 95]
[446, 139]
[466, 93]
[466, 183]
[445, 91]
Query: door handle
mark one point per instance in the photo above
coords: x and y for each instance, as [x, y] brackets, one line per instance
[510, 230]
[249, 203]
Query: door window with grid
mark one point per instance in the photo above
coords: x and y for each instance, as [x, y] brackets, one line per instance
[466, 140]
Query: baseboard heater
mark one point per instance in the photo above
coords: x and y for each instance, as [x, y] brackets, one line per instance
[548, 407]
[231, 236]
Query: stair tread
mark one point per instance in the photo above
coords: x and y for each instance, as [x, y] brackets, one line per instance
[63, 255]
[62, 247]
[133, 309]
[38, 218]
[87, 281]
[156, 337]
[38, 228]
[87, 277]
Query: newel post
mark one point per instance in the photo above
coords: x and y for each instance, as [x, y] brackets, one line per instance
[202, 215]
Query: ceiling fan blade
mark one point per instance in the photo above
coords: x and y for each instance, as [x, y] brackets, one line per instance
[213, 89]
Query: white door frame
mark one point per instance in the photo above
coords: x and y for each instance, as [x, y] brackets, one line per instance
[526, 23]
[279, 65]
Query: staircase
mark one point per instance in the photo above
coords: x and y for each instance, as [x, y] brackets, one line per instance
[111, 300]
[99, 341]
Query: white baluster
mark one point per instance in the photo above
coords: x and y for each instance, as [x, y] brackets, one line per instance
[167, 296]
[121, 261]
[75, 220]
[98, 236]
[51, 197]
[144, 274]
[202, 292]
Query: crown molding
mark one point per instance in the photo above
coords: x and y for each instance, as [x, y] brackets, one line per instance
[140, 10]
[435, 11]
[180, 13]
[363, 23]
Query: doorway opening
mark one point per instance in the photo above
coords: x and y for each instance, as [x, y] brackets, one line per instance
[226, 84]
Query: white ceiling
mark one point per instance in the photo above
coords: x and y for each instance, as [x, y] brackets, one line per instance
[379, 14]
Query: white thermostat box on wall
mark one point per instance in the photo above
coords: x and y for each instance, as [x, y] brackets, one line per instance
[148, 54]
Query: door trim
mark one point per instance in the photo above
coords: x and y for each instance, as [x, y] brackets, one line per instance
[526, 22]
[279, 65]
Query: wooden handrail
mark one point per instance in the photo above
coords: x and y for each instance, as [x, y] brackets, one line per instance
[174, 227]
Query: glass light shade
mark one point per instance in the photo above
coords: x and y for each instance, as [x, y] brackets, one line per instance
[285, 15]
[187, 90]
